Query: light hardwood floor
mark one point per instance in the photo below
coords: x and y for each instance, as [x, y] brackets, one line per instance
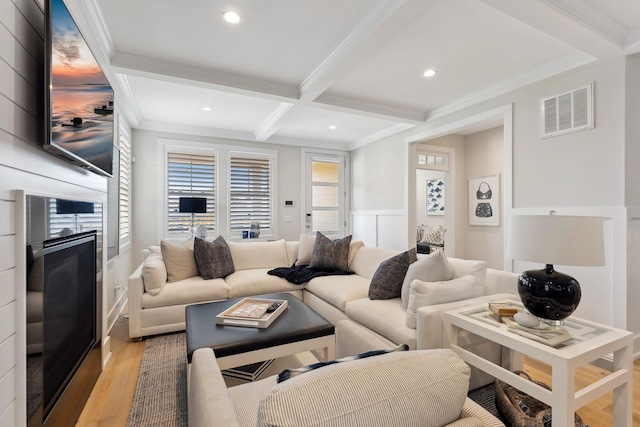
[111, 398]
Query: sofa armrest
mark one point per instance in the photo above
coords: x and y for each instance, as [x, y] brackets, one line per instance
[135, 289]
[208, 400]
[472, 410]
[429, 325]
[499, 281]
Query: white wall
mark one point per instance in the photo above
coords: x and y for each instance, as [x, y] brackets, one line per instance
[582, 172]
[147, 183]
[484, 156]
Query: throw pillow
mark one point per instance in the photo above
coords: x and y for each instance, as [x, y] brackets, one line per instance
[386, 282]
[179, 260]
[353, 248]
[432, 268]
[433, 235]
[213, 258]
[330, 255]
[290, 373]
[305, 249]
[424, 294]
[154, 274]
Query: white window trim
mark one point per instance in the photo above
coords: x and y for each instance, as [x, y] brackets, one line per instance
[223, 154]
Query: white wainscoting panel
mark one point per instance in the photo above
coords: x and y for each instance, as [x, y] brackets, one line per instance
[7, 322]
[8, 417]
[7, 287]
[385, 229]
[7, 356]
[8, 250]
[7, 393]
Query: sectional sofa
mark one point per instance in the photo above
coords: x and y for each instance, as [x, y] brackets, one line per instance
[168, 280]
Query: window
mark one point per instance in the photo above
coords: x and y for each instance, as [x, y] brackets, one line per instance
[250, 191]
[124, 229]
[190, 175]
[68, 217]
[237, 182]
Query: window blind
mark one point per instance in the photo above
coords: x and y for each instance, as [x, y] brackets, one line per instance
[73, 223]
[190, 175]
[249, 192]
[124, 186]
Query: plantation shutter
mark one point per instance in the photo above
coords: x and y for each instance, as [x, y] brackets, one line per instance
[73, 223]
[124, 191]
[190, 175]
[249, 192]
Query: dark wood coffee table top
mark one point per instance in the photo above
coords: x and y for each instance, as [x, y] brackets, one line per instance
[297, 323]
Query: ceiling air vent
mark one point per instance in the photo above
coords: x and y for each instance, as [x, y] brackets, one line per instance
[567, 112]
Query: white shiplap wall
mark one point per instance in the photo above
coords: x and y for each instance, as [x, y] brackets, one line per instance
[24, 166]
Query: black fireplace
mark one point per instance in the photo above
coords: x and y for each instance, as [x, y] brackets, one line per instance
[63, 351]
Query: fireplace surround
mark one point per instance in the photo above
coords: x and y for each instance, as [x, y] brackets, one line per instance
[63, 295]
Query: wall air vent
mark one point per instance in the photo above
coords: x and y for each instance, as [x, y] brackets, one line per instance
[567, 112]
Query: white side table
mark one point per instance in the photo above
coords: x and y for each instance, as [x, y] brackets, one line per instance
[589, 341]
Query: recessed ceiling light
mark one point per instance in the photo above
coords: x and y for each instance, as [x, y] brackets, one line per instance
[206, 108]
[332, 127]
[430, 72]
[231, 17]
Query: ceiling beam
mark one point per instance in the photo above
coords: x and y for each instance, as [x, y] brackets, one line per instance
[571, 21]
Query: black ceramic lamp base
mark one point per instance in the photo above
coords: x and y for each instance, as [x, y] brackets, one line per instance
[548, 294]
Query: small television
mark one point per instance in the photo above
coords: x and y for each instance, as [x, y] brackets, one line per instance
[79, 99]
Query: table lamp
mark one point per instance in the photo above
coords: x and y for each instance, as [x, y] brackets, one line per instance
[553, 239]
[192, 205]
[74, 207]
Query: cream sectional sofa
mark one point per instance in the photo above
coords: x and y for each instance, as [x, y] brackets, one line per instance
[157, 306]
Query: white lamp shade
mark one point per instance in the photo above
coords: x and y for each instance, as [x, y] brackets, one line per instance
[556, 239]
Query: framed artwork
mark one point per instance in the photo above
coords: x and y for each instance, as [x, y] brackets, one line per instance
[435, 196]
[484, 200]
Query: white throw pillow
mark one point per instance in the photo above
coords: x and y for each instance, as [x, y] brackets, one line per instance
[432, 268]
[154, 274]
[424, 294]
[249, 254]
[305, 249]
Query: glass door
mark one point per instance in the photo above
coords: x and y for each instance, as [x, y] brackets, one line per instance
[325, 195]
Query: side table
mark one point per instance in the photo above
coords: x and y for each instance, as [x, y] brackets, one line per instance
[589, 341]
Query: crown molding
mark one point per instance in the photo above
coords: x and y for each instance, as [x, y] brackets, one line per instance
[173, 128]
[268, 127]
[132, 111]
[384, 133]
[524, 79]
[202, 77]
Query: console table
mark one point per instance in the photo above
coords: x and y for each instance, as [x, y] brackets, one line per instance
[589, 341]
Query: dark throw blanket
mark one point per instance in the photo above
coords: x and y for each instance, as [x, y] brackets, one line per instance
[299, 274]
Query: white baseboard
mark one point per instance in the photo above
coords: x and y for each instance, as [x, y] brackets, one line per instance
[120, 304]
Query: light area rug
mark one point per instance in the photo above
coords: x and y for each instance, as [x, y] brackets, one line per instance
[160, 398]
[161, 391]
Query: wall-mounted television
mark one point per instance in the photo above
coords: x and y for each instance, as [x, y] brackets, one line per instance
[79, 99]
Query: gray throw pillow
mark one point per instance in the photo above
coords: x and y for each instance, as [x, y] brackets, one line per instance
[213, 258]
[432, 268]
[330, 255]
[386, 282]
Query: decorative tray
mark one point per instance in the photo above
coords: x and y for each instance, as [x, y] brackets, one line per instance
[252, 312]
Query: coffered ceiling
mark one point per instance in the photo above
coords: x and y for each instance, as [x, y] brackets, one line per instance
[333, 73]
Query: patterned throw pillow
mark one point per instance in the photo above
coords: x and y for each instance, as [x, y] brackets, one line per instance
[433, 235]
[290, 373]
[386, 282]
[213, 258]
[330, 255]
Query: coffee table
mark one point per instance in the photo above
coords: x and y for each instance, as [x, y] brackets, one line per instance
[297, 329]
[589, 342]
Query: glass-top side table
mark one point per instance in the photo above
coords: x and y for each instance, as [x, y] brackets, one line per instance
[586, 343]
[573, 331]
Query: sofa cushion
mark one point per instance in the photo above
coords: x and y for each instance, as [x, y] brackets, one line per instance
[305, 249]
[387, 317]
[179, 259]
[330, 255]
[432, 268]
[188, 291]
[426, 385]
[431, 293]
[338, 291]
[213, 258]
[154, 274]
[478, 269]
[246, 398]
[367, 259]
[387, 281]
[256, 281]
[247, 254]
